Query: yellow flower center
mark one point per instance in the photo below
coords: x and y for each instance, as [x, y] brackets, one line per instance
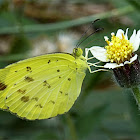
[118, 49]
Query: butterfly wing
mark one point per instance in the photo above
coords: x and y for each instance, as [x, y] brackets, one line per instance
[41, 87]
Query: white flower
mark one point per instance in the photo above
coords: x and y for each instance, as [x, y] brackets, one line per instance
[119, 51]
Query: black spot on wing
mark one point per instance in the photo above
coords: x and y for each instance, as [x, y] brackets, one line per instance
[24, 118]
[39, 105]
[25, 98]
[49, 61]
[45, 83]
[49, 86]
[58, 70]
[2, 86]
[29, 79]
[29, 69]
[35, 98]
[21, 91]
[51, 101]
[36, 119]
[69, 79]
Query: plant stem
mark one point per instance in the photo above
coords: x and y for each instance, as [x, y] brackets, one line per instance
[66, 24]
[13, 57]
[136, 93]
[71, 127]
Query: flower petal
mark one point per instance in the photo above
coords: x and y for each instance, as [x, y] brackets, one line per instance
[136, 42]
[112, 65]
[131, 60]
[115, 65]
[99, 53]
[86, 52]
[132, 38]
[126, 32]
[119, 33]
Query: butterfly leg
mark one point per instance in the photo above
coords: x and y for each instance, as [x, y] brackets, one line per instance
[92, 64]
[93, 71]
[86, 54]
[96, 70]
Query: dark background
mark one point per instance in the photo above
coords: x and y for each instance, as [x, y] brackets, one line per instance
[103, 111]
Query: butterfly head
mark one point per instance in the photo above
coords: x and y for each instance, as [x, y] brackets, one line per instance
[77, 52]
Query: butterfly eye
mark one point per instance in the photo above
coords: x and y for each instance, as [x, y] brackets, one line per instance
[77, 52]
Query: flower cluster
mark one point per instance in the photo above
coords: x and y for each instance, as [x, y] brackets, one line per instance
[119, 51]
[119, 56]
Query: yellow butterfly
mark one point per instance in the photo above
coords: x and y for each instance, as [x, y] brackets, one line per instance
[44, 86]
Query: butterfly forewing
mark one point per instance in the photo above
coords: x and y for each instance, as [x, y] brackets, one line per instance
[12, 74]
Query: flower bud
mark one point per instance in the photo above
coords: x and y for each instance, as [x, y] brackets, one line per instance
[128, 75]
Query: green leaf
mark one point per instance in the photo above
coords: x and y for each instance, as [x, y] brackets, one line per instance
[88, 121]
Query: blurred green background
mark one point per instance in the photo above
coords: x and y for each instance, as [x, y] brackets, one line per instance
[103, 111]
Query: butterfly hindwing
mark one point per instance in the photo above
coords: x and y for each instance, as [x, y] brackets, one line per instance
[41, 87]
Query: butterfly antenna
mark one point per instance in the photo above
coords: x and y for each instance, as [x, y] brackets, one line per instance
[97, 30]
[78, 44]
[90, 42]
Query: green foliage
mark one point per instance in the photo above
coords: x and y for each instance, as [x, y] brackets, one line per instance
[20, 44]
[103, 111]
